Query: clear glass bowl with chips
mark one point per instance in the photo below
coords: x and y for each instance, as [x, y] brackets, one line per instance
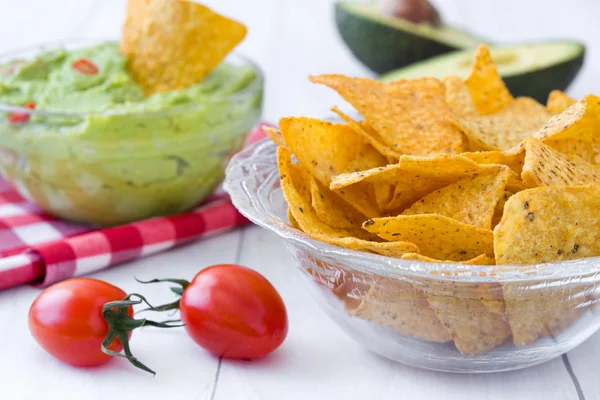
[116, 166]
[446, 317]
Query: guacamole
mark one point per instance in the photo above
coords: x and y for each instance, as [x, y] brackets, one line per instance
[98, 150]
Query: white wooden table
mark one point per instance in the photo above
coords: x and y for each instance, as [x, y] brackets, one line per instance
[290, 39]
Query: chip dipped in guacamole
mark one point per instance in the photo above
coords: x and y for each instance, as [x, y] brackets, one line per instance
[100, 145]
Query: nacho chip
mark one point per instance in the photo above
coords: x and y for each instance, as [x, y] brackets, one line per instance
[482, 259]
[436, 236]
[459, 98]
[548, 224]
[473, 327]
[332, 209]
[499, 210]
[471, 200]
[558, 102]
[575, 148]
[507, 127]
[296, 190]
[411, 116]
[292, 220]
[174, 44]
[327, 149]
[274, 134]
[577, 122]
[388, 249]
[545, 166]
[488, 91]
[492, 297]
[399, 305]
[539, 308]
[369, 134]
[513, 159]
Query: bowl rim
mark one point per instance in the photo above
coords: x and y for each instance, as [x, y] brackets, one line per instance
[379, 264]
[248, 91]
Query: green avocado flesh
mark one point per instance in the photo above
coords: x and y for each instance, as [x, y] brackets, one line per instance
[98, 150]
[384, 43]
[532, 70]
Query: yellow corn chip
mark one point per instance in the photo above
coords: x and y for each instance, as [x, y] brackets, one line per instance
[507, 127]
[482, 259]
[399, 305]
[513, 159]
[174, 44]
[487, 89]
[473, 327]
[436, 236]
[458, 97]
[297, 195]
[292, 220]
[327, 149]
[412, 117]
[577, 122]
[470, 200]
[559, 101]
[575, 148]
[274, 134]
[499, 210]
[388, 249]
[332, 209]
[545, 166]
[539, 308]
[547, 224]
[369, 134]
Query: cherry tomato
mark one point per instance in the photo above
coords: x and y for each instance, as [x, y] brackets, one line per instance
[233, 311]
[66, 320]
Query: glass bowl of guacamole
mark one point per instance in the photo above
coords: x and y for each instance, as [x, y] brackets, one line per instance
[79, 138]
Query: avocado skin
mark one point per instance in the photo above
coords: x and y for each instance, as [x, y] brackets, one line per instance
[539, 83]
[383, 48]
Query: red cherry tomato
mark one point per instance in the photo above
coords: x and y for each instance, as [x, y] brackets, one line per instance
[66, 320]
[233, 311]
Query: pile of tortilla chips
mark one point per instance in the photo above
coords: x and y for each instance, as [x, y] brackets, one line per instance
[172, 44]
[451, 171]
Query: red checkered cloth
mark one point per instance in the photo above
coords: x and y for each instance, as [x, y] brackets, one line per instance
[36, 247]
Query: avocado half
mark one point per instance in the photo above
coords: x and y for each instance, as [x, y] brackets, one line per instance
[532, 70]
[385, 43]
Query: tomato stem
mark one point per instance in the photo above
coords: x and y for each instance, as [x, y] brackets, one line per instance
[178, 290]
[116, 314]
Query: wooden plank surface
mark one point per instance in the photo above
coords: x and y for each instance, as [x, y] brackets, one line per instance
[290, 39]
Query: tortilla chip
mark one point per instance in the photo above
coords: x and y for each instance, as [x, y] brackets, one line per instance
[547, 224]
[274, 134]
[539, 308]
[436, 236]
[411, 116]
[174, 44]
[488, 91]
[369, 134]
[499, 210]
[296, 190]
[388, 249]
[399, 305]
[492, 297]
[513, 159]
[577, 122]
[545, 166]
[470, 200]
[292, 220]
[507, 127]
[458, 97]
[575, 148]
[458, 305]
[558, 102]
[327, 149]
[332, 209]
[482, 259]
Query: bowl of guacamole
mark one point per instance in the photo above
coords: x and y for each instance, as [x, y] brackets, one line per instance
[79, 137]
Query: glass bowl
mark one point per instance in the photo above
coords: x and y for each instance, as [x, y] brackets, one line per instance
[112, 167]
[446, 317]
